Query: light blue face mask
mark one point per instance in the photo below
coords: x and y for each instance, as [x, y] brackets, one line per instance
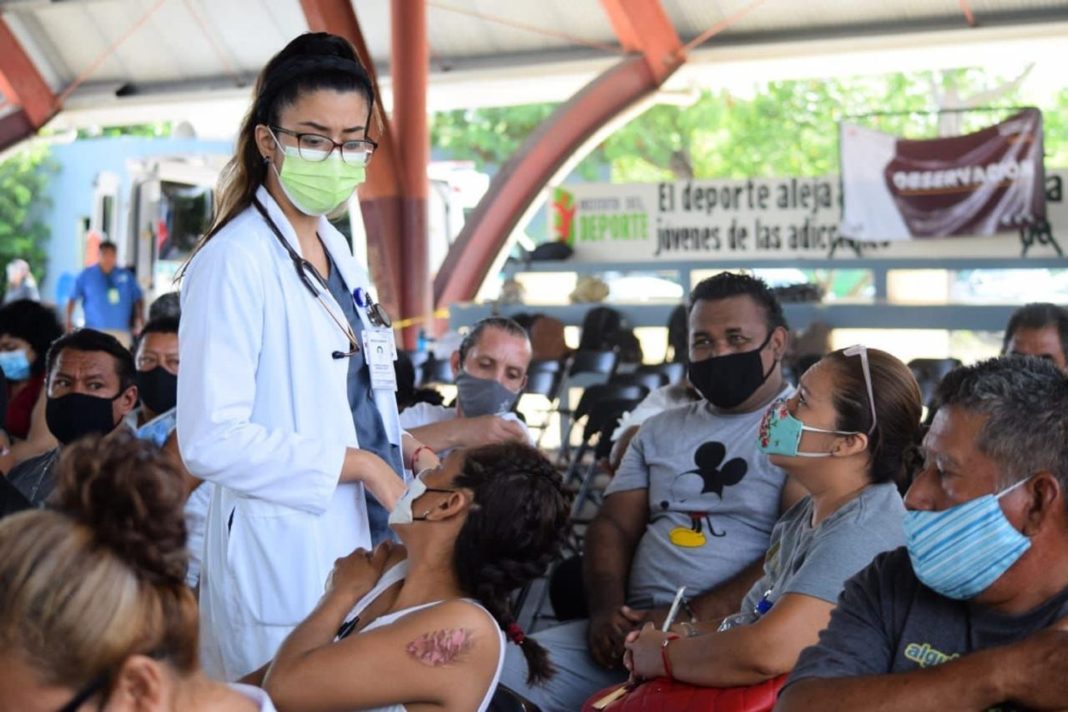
[959, 552]
[780, 433]
[15, 365]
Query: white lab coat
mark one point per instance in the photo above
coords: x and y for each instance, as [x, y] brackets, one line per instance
[263, 413]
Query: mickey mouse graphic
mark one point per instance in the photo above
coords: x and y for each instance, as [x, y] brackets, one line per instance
[711, 475]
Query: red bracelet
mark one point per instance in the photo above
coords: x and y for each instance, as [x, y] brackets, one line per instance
[665, 658]
[415, 456]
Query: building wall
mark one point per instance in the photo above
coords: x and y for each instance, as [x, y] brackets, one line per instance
[72, 190]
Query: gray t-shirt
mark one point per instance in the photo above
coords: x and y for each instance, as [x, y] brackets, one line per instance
[817, 561]
[887, 621]
[713, 500]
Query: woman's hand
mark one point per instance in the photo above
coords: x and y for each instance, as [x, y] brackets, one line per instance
[424, 456]
[643, 657]
[356, 574]
[381, 480]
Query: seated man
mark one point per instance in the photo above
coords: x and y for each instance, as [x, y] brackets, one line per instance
[157, 381]
[693, 502]
[91, 388]
[970, 615]
[1039, 329]
[491, 371]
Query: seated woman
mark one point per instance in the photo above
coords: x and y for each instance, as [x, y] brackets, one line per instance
[94, 610]
[27, 329]
[844, 436]
[421, 629]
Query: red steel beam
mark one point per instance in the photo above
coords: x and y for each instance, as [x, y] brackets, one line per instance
[380, 196]
[22, 84]
[411, 69]
[642, 27]
[14, 126]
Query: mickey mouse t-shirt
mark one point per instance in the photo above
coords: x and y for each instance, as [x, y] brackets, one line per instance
[713, 500]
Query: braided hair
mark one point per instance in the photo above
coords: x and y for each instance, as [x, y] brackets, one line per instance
[516, 527]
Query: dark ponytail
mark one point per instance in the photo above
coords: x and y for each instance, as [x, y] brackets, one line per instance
[312, 61]
[514, 530]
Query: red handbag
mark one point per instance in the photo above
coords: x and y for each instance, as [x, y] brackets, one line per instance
[666, 695]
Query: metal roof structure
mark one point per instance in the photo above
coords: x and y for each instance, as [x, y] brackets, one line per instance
[125, 61]
[76, 63]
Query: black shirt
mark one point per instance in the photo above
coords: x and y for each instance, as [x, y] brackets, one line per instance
[887, 621]
[35, 477]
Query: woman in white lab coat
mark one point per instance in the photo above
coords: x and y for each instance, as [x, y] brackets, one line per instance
[276, 404]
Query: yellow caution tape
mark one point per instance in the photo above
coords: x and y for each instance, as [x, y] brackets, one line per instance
[412, 321]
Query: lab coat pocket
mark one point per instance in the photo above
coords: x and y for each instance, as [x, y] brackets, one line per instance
[274, 557]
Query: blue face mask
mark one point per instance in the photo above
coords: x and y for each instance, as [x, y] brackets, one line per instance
[780, 433]
[15, 365]
[961, 551]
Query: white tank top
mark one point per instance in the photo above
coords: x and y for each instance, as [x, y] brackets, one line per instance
[397, 573]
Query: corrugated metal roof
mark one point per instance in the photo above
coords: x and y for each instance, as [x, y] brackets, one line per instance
[201, 45]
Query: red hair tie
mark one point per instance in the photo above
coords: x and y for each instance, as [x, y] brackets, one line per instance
[516, 633]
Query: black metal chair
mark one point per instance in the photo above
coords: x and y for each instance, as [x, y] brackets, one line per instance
[592, 363]
[675, 371]
[436, 370]
[585, 368]
[586, 407]
[507, 700]
[601, 406]
[648, 379]
[601, 422]
[929, 372]
[543, 379]
[418, 358]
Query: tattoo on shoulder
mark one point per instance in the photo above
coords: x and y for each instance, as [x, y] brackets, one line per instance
[441, 647]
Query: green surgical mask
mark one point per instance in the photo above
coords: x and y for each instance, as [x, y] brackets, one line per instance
[317, 187]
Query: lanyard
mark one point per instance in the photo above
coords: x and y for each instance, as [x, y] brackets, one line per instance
[304, 268]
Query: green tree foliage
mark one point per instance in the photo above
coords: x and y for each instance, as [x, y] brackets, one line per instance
[785, 128]
[24, 178]
[486, 136]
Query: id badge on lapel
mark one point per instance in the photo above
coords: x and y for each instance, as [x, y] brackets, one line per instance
[380, 352]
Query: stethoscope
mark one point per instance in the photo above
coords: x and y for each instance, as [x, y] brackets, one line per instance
[375, 313]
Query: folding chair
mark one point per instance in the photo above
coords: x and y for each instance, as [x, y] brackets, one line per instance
[675, 371]
[649, 380]
[543, 379]
[585, 368]
[436, 370]
[507, 700]
[929, 372]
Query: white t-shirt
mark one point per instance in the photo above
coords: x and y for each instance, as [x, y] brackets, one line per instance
[421, 414]
[663, 398]
[255, 694]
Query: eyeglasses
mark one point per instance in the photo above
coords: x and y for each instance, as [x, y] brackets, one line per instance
[862, 351]
[317, 148]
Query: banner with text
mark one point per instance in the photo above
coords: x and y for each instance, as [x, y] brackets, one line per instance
[980, 183]
[701, 219]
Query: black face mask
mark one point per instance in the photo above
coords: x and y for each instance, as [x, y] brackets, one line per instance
[76, 415]
[727, 381]
[158, 389]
